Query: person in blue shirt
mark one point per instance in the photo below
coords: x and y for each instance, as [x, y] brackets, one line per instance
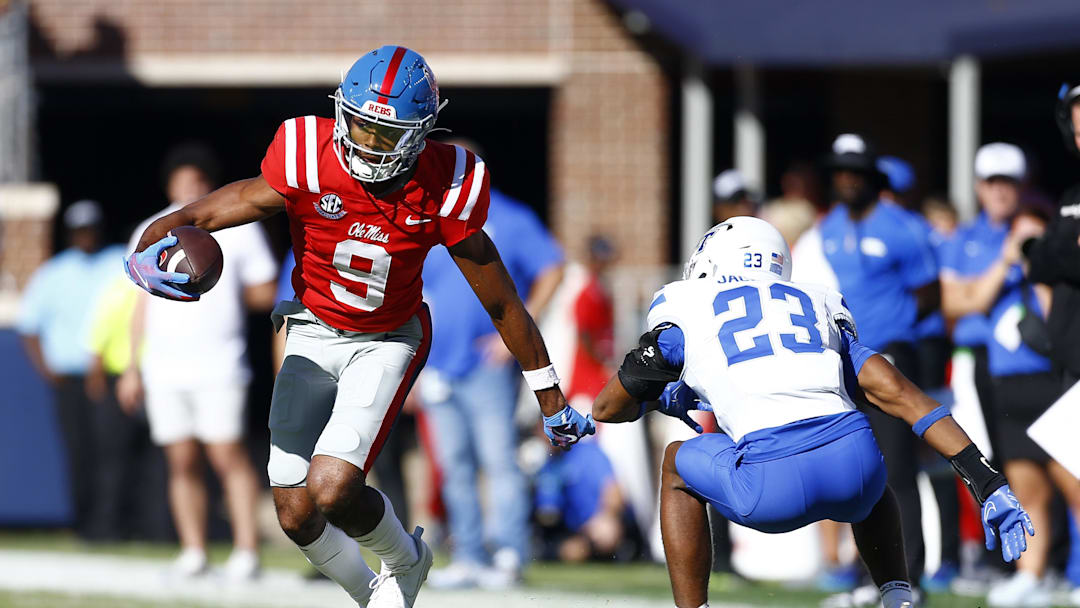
[469, 378]
[54, 327]
[886, 269]
[986, 291]
[933, 350]
[579, 506]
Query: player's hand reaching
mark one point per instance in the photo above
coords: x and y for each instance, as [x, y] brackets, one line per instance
[1006, 521]
[567, 427]
[142, 267]
[678, 400]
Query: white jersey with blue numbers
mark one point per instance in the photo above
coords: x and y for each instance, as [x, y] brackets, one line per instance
[764, 353]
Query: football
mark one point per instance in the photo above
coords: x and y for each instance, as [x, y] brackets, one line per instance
[196, 254]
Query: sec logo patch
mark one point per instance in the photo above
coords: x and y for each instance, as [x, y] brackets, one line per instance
[330, 207]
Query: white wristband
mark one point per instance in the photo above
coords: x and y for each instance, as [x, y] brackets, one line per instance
[540, 379]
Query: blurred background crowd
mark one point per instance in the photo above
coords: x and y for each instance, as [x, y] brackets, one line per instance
[923, 175]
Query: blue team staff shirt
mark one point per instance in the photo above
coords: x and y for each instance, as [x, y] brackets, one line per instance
[458, 320]
[573, 483]
[1006, 353]
[969, 253]
[879, 262]
[49, 311]
[933, 324]
[285, 289]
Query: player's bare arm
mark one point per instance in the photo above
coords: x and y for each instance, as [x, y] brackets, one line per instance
[1003, 519]
[614, 404]
[241, 202]
[890, 391]
[482, 267]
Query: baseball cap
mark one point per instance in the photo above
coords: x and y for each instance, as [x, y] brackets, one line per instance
[851, 151]
[82, 214]
[728, 184]
[900, 174]
[1000, 159]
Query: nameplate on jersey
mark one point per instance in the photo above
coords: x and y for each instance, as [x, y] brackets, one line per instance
[369, 232]
[379, 109]
[330, 207]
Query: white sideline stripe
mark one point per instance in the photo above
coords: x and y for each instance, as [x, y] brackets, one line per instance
[175, 260]
[290, 153]
[131, 577]
[311, 155]
[474, 189]
[455, 183]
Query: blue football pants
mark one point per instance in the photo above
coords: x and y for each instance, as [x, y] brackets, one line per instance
[841, 480]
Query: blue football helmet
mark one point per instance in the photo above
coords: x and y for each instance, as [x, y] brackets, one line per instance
[386, 105]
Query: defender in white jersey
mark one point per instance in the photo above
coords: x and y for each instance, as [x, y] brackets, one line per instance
[780, 366]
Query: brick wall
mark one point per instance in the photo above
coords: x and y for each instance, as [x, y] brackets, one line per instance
[609, 130]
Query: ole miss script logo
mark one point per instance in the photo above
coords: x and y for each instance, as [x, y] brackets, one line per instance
[330, 207]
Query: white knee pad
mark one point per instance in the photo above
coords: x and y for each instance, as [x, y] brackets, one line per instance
[286, 470]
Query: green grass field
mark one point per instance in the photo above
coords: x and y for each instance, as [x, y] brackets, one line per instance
[641, 580]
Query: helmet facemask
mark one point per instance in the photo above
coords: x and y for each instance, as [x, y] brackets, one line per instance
[373, 148]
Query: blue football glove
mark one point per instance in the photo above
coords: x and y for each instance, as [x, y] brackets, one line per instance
[142, 268]
[565, 428]
[678, 400]
[1004, 518]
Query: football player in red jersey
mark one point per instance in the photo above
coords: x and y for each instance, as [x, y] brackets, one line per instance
[367, 196]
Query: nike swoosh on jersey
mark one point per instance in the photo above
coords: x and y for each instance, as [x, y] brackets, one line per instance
[409, 221]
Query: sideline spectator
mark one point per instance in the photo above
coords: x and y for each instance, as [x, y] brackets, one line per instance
[625, 445]
[594, 316]
[797, 208]
[1023, 383]
[196, 379]
[130, 475]
[53, 325]
[933, 351]
[579, 506]
[732, 197]
[886, 269]
[941, 215]
[469, 393]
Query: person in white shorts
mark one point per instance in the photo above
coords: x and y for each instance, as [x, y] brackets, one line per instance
[195, 372]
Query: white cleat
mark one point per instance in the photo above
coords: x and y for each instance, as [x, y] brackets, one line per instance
[399, 589]
[1021, 589]
[242, 565]
[457, 575]
[191, 562]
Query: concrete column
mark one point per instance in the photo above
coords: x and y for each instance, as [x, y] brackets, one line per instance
[749, 130]
[697, 161]
[964, 116]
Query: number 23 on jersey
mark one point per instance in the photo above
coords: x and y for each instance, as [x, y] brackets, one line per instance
[762, 346]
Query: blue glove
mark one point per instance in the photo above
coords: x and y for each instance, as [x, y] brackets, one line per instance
[565, 428]
[678, 400]
[1002, 516]
[142, 268]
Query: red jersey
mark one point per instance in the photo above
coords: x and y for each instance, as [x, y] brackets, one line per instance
[594, 314]
[359, 258]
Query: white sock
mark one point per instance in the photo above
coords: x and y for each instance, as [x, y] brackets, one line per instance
[894, 594]
[338, 557]
[390, 541]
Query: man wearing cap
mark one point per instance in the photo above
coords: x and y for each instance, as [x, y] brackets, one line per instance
[732, 196]
[53, 326]
[885, 267]
[984, 289]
